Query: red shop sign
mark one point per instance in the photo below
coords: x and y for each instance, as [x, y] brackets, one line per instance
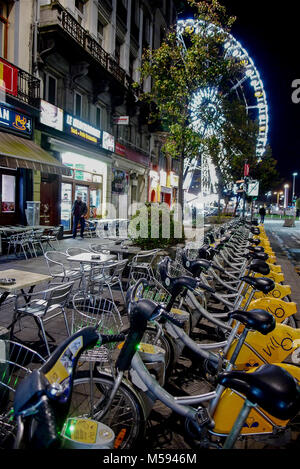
[120, 149]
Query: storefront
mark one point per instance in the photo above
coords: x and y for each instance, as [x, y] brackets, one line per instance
[174, 182]
[163, 187]
[86, 151]
[20, 158]
[154, 190]
[129, 183]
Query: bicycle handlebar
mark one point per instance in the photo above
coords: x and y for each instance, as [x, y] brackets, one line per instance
[45, 434]
[45, 394]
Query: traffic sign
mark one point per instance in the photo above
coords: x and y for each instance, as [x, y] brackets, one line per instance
[253, 189]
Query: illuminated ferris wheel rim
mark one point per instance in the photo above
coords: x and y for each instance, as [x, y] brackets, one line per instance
[235, 48]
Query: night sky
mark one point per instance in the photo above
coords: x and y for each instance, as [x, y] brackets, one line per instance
[270, 32]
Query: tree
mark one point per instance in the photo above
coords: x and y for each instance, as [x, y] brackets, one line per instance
[178, 70]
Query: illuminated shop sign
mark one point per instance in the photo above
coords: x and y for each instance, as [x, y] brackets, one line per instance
[82, 130]
[108, 141]
[51, 115]
[16, 121]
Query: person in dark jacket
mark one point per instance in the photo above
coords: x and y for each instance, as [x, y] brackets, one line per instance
[262, 212]
[79, 211]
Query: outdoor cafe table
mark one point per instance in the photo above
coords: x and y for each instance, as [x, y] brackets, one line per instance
[24, 279]
[123, 250]
[86, 258]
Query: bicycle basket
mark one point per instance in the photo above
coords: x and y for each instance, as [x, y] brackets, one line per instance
[93, 310]
[16, 361]
[175, 269]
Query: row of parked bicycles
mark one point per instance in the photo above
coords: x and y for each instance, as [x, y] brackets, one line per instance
[223, 304]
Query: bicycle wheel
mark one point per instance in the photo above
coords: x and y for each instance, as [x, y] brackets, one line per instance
[126, 412]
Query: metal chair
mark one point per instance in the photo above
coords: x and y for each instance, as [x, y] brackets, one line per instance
[123, 228]
[51, 236]
[57, 268]
[104, 246]
[21, 241]
[90, 229]
[107, 276]
[144, 261]
[40, 305]
[73, 252]
[36, 240]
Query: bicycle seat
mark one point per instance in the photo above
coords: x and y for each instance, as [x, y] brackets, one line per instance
[225, 239]
[259, 267]
[203, 252]
[270, 387]
[195, 266]
[255, 230]
[256, 249]
[262, 256]
[257, 319]
[263, 284]
[255, 241]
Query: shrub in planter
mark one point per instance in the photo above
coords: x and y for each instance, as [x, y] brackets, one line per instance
[154, 226]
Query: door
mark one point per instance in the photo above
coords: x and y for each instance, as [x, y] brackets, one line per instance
[49, 197]
[8, 198]
[84, 191]
[95, 201]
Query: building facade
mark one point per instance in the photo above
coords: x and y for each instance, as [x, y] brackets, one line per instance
[83, 56]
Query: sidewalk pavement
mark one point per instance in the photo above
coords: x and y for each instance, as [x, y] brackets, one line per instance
[282, 241]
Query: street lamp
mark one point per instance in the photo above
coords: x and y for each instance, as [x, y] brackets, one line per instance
[294, 183]
[278, 197]
[286, 196]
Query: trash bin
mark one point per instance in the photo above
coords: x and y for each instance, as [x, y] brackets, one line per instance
[33, 212]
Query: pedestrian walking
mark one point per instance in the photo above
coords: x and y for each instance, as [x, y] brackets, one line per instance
[262, 213]
[79, 210]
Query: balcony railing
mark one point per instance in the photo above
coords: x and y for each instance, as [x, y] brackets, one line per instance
[69, 24]
[28, 89]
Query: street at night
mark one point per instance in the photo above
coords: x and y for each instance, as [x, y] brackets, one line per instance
[149, 229]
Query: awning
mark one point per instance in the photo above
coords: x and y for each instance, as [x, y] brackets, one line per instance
[17, 152]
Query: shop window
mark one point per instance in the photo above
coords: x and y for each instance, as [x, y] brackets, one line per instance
[8, 194]
[50, 89]
[77, 104]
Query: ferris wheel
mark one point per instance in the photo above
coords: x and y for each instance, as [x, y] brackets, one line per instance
[248, 88]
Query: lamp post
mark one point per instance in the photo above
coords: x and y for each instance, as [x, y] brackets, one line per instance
[286, 196]
[294, 184]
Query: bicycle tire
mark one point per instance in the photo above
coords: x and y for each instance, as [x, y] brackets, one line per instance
[125, 401]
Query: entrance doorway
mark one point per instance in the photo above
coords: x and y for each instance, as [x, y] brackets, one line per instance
[49, 200]
[91, 194]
